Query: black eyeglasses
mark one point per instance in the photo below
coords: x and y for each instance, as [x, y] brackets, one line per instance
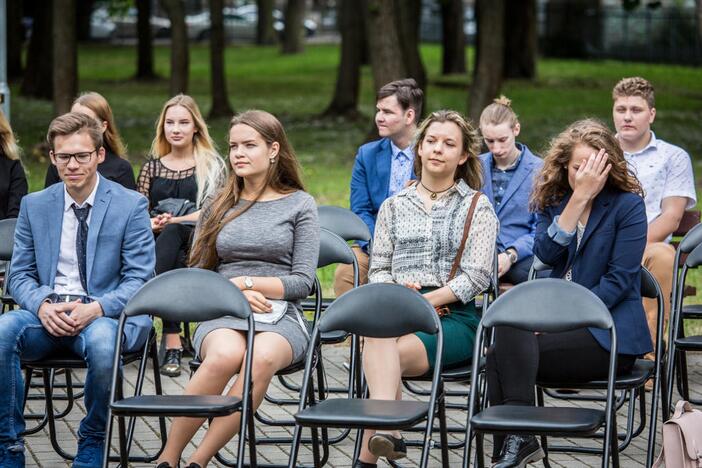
[81, 158]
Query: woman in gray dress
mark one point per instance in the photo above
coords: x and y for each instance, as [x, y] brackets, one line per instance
[261, 231]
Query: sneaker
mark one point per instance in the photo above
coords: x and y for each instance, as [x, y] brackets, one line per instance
[171, 362]
[89, 453]
[12, 458]
[518, 451]
[385, 445]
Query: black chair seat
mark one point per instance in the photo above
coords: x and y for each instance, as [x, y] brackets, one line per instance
[357, 413]
[689, 342]
[334, 336]
[692, 311]
[68, 360]
[642, 371]
[555, 421]
[177, 405]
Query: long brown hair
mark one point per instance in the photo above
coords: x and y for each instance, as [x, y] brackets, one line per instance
[111, 137]
[552, 182]
[471, 171]
[283, 177]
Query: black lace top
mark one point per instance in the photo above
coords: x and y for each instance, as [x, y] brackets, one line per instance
[157, 182]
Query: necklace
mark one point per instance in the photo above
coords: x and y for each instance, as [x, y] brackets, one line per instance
[433, 194]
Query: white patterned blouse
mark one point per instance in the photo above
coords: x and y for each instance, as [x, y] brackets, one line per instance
[413, 245]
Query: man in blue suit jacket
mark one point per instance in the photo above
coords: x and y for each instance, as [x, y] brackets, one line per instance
[515, 241]
[82, 249]
[383, 167]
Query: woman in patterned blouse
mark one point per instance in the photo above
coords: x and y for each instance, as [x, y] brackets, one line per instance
[417, 237]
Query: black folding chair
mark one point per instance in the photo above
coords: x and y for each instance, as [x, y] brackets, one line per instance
[631, 385]
[538, 306]
[7, 242]
[678, 343]
[185, 295]
[403, 311]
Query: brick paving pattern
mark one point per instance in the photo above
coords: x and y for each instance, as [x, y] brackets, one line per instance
[39, 452]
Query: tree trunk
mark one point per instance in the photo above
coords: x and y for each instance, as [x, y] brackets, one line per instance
[698, 5]
[387, 62]
[407, 16]
[569, 25]
[84, 8]
[145, 45]
[453, 39]
[265, 34]
[521, 39]
[65, 55]
[38, 73]
[345, 100]
[293, 39]
[220, 100]
[487, 77]
[180, 62]
[15, 39]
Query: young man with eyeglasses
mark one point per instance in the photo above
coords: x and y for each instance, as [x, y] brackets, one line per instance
[82, 249]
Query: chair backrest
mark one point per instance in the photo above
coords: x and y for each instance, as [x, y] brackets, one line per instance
[548, 305]
[189, 295]
[692, 239]
[380, 310]
[333, 249]
[538, 269]
[689, 220]
[344, 223]
[694, 259]
[649, 285]
[7, 238]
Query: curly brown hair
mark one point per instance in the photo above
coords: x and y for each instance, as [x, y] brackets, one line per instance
[552, 181]
[635, 86]
[471, 171]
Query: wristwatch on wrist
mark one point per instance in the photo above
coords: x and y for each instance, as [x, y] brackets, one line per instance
[512, 255]
[248, 282]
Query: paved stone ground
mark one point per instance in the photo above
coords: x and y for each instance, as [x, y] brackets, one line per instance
[40, 452]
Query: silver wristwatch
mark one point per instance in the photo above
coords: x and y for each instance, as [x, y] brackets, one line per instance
[512, 255]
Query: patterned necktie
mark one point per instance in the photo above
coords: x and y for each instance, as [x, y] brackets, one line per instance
[81, 241]
[398, 177]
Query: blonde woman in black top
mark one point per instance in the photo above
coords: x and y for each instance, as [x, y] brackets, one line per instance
[13, 183]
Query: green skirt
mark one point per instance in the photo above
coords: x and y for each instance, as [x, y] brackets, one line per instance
[459, 329]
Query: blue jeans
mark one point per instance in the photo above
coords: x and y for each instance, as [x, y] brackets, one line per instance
[22, 336]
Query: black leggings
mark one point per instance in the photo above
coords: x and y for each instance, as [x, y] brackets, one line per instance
[519, 358]
[172, 246]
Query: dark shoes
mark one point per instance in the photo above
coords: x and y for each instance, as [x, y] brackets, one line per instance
[168, 465]
[385, 445]
[517, 451]
[89, 453]
[171, 362]
[360, 464]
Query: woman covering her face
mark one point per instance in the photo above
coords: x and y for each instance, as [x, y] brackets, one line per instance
[417, 237]
[261, 232]
[591, 229]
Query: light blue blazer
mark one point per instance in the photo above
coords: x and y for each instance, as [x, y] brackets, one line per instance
[120, 254]
[517, 223]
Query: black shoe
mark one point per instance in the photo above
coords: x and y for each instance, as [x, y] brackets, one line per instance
[517, 451]
[164, 465]
[193, 465]
[360, 464]
[171, 362]
[385, 445]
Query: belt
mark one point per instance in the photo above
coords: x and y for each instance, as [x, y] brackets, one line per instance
[71, 298]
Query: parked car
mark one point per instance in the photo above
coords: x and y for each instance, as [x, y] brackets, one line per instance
[126, 23]
[250, 12]
[236, 27]
[102, 28]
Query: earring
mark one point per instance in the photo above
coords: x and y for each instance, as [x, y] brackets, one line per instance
[272, 160]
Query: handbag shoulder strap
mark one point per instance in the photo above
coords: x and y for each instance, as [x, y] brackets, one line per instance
[466, 231]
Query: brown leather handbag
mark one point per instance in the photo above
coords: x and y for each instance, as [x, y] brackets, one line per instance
[444, 310]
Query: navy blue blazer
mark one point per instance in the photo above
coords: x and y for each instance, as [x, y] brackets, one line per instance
[517, 222]
[608, 262]
[370, 180]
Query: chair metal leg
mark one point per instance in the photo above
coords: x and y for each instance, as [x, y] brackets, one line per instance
[479, 450]
[443, 433]
[123, 450]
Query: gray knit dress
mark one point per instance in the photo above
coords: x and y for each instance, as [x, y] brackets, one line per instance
[272, 238]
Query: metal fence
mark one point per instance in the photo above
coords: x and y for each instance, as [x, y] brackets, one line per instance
[665, 34]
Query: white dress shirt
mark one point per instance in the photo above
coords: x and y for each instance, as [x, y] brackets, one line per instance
[67, 274]
[664, 170]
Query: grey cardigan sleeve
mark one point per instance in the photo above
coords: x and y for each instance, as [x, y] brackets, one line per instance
[298, 284]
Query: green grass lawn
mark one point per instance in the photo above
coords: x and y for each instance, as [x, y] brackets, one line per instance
[298, 88]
